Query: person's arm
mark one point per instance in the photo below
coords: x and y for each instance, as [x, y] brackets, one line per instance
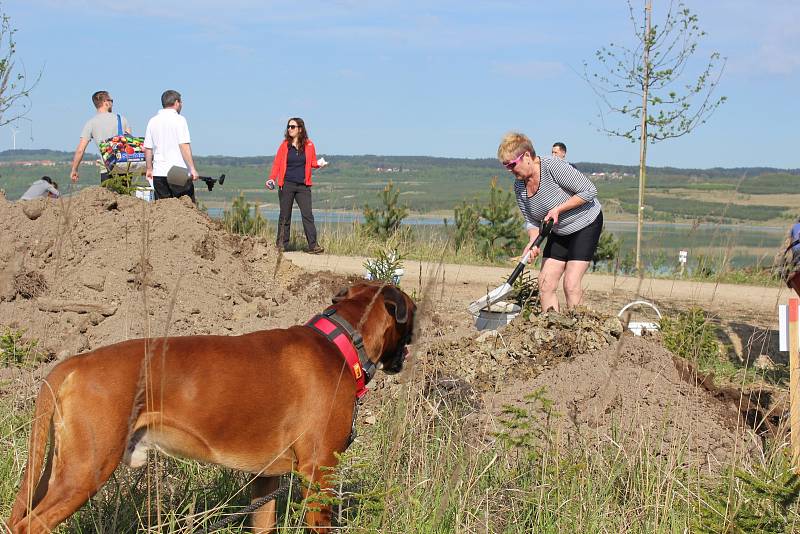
[54, 193]
[78, 157]
[531, 226]
[571, 203]
[148, 152]
[533, 233]
[148, 162]
[125, 126]
[312, 153]
[572, 181]
[185, 146]
[276, 163]
[186, 152]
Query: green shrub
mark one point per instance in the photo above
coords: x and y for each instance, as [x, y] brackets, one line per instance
[468, 219]
[692, 336]
[243, 218]
[383, 267]
[525, 293]
[501, 232]
[763, 500]
[494, 227]
[607, 248]
[385, 220]
[15, 350]
[119, 183]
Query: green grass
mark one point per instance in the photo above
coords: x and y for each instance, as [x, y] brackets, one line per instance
[423, 467]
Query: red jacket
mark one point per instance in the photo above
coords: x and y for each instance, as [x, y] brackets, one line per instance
[278, 172]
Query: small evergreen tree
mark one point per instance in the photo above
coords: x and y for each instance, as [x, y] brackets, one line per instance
[386, 219]
[468, 218]
[495, 227]
[501, 232]
[242, 219]
[607, 248]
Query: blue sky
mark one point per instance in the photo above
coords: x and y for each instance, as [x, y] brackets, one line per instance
[442, 78]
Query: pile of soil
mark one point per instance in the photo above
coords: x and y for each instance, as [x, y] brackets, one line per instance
[605, 386]
[634, 394]
[97, 268]
[524, 348]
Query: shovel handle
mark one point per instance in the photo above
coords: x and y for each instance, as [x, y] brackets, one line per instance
[545, 231]
[519, 268]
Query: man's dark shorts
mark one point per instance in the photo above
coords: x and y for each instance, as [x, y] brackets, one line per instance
[577, 246]
[163, 189]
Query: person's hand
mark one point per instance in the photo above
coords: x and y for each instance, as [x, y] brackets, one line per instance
[194, 173]
[74, 175]
[535, 251]
[322, 163]
[552, 214]
[149, 175]
[270, 184]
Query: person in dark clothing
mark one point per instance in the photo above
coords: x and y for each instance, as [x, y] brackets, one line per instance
[291, 169]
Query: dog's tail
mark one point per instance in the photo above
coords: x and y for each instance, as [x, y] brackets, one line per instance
[34, 481]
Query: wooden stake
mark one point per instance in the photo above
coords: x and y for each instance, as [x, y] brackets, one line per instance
[794, 381]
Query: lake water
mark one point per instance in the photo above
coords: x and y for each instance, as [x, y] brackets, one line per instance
[735, 245]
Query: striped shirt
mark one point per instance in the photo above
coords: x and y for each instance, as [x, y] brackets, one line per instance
[558, 182]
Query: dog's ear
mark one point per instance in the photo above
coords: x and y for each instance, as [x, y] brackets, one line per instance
[341, 295]
[395, 303]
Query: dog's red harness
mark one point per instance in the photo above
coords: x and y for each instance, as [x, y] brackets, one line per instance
[349, 343]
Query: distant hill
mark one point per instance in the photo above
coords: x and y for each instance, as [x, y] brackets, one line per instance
[41, 155]
[414, 162]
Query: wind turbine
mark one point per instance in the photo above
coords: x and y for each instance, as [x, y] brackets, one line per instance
[14, 133]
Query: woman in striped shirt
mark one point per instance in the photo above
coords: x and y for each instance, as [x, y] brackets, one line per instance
[550, 188]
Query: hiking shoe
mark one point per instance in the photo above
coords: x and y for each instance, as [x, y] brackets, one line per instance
[316, 250]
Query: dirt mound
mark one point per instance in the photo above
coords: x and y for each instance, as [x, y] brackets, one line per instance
[97, 268]
[604, 385]
[632, 394]
[524, 348]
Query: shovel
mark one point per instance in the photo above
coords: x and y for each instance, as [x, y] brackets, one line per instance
[503, 290]
[180, 177]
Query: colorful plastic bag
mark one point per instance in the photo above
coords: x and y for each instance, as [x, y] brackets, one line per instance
[122, 149]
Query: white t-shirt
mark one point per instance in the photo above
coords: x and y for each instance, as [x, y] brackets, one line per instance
[164, 133]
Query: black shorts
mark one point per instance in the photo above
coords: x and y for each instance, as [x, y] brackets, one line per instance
[163, 189]
[577, 246]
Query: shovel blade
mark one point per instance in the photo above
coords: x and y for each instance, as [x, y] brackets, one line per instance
[489, 299]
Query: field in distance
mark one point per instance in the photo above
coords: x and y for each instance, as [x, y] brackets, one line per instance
[431, 185]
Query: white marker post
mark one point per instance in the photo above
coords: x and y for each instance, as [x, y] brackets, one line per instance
[682, 255]
[794, 381]
[789, 339]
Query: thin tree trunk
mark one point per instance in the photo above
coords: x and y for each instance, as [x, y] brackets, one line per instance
[648, 9]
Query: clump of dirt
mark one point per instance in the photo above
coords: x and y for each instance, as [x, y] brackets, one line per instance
[632, 394]
[524, 348]
[29, 285]
[96, 268]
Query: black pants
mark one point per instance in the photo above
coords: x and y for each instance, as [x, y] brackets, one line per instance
[163, 189]
[287, 194]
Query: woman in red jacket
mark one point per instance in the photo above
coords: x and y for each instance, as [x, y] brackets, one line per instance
[291, 169]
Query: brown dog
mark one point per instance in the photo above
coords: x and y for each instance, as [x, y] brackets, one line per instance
[264, 403]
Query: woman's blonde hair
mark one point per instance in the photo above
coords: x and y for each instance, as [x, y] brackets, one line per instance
[514, 144]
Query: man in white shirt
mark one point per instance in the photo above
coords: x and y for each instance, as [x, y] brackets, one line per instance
[166, 145]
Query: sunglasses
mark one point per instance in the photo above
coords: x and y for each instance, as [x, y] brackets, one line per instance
[513, 163]
[292, 127]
